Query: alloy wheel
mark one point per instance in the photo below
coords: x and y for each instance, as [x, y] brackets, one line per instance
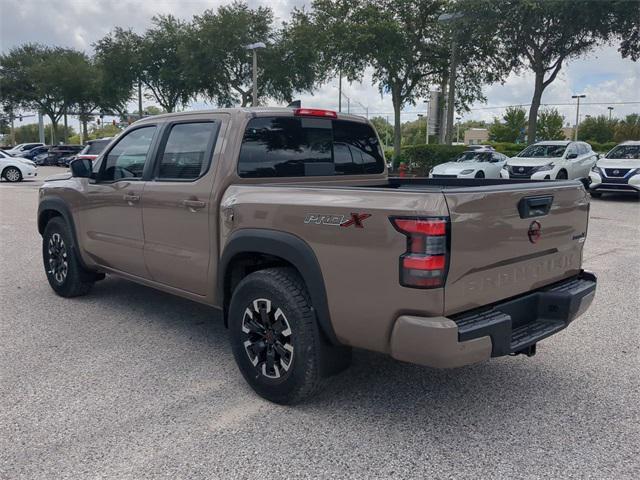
[267, 338]
[12, 174]
[58, 261]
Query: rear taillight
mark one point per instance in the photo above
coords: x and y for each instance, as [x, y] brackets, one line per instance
[425, 262]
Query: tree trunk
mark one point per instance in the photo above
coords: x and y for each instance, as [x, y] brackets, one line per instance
[65, 134]
[397, 127]
[535, 106]
[451, 98]
[54, 127]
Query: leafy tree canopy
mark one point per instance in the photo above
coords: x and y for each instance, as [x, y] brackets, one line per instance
[511, 129]
[550, 124]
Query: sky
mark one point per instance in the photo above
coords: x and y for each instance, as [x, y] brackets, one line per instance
[602, 75]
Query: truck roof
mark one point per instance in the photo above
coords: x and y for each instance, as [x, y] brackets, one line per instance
[249, 111]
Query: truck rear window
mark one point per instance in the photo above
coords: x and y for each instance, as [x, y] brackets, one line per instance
[305, 146]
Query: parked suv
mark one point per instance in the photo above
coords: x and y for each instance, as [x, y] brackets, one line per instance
[285, 221]
[553, 160]
[618, 171]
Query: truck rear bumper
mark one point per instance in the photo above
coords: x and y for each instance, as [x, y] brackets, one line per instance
[508, 327]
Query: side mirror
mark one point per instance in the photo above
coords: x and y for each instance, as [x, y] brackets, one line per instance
[572, 156]
[81, 168]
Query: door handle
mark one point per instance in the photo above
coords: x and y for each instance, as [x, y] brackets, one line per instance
[131, 198]
[194, 205]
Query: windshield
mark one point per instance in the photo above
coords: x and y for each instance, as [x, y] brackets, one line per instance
[625, 152]
[543, 151]
[474, 157]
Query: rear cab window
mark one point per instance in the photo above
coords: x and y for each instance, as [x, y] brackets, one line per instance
[282, 146]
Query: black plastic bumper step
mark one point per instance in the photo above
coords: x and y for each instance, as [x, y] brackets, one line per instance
[530, 333]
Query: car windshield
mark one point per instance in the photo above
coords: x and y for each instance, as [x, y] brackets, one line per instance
[474, 156]
[543, 151]
[95, 148]
[625, 152]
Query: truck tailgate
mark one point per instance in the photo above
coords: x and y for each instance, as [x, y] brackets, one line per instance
[503, 243]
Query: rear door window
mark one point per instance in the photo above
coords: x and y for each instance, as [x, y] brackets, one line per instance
[187, 151]
[306, 146]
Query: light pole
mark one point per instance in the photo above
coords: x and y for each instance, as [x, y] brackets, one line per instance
[577, 97]
[253, 47]
[428, 104]
[451, 18]
[420, 115]
[610, 110]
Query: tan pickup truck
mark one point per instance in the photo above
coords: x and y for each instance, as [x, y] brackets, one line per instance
[285, 221]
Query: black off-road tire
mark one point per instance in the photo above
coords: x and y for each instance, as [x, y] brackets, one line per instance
[64, 272]
[301, 369]
[12, 174]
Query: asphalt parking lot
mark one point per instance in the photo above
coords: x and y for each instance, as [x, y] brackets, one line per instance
[132, 383]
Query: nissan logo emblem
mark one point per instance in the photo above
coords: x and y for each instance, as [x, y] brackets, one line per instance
[521, 169]
[535, 230]
[616, 172]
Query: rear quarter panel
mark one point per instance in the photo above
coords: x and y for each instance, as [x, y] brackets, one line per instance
[360, 266]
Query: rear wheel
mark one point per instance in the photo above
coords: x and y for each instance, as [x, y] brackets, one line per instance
[64, 272]
[275, 338]
[12, 174]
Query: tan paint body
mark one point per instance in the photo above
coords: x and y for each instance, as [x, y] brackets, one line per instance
[159, 242]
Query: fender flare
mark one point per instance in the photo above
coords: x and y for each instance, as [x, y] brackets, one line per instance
[58, 205]
[291, 249]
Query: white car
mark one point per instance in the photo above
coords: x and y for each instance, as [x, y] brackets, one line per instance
[618, 171]
[478, 163]
[552, 160]
[22, 148]
[15, 169]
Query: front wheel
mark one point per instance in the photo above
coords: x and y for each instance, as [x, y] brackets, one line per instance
[480, 174]
[12, 174]
[64, 272]
[562, 175]
[274, 335]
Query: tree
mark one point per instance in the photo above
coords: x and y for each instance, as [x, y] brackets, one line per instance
[628, 129]
[515, 121]
[220, 65]
[597, 129]
[42, 78]
[543, 34]
[384, 129]
[118, 63]
[163, 62]
[31, 132]
[550, 125]
[400, 40]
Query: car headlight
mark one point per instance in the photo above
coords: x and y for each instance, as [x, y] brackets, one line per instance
[637, 171]
[596, 169]
[546, 168]
[467, 171]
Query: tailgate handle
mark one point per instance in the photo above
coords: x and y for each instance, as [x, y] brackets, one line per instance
[534, 206]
